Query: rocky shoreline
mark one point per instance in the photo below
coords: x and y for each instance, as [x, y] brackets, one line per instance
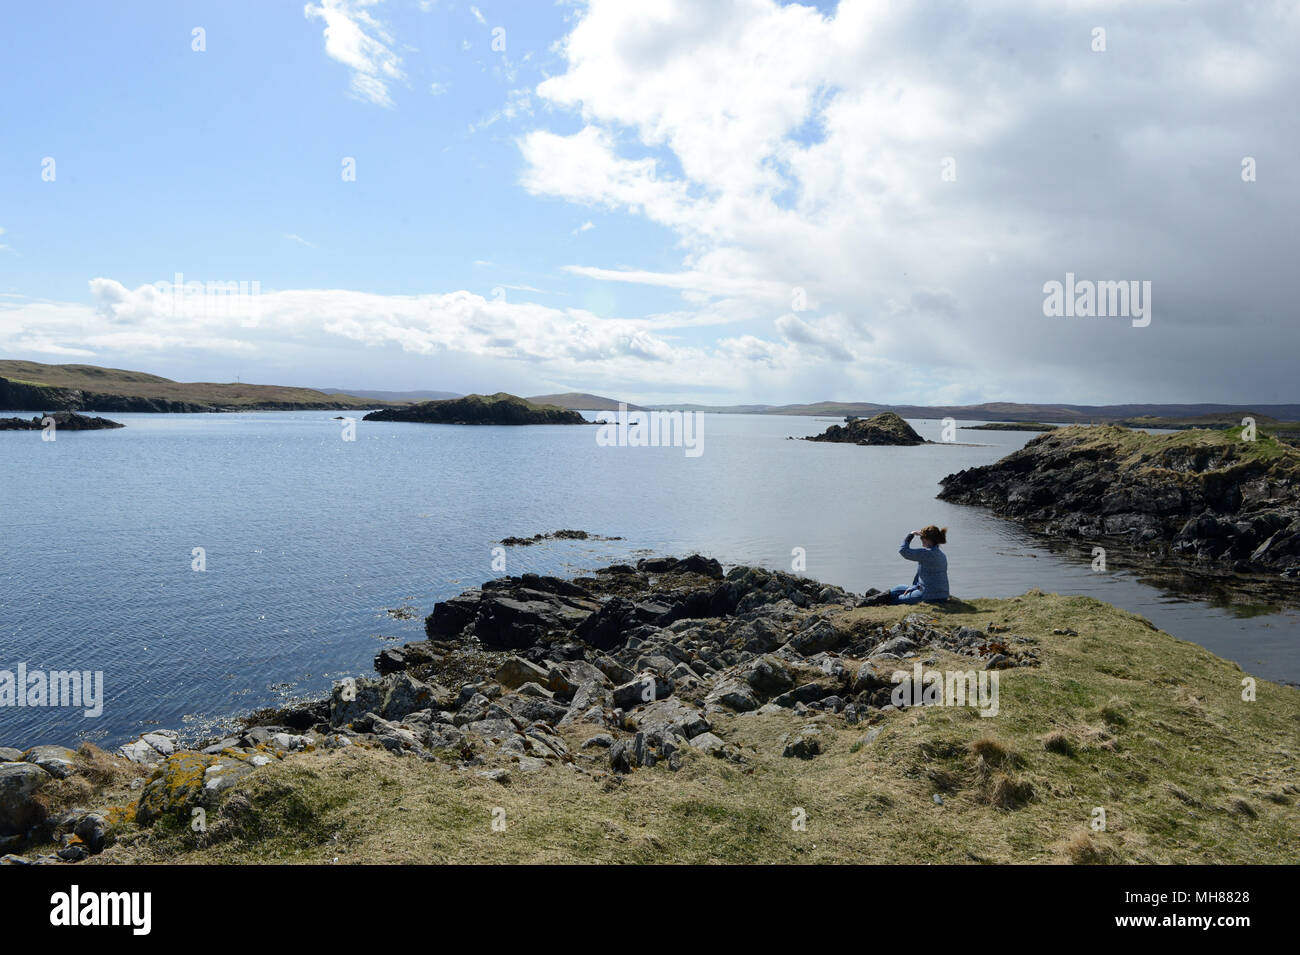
[1213, 502]
[63, 421]
[646, 658]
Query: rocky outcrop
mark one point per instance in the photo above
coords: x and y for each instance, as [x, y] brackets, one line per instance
[649, 662]
[21, 395]
[563, 535]
[884, 428]
[500, 408]
[1205, 498]
[63, 421]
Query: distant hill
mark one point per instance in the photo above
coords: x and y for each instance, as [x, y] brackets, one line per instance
[1005, 411]
[580, 401]
[33, 386]
[393, 395]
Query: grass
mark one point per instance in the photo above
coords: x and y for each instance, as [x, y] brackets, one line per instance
[1135, 448]
[1121, 717]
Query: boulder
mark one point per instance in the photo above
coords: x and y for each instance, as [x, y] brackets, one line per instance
[151, 748]
[644, 689]
[19, 783]
[58, 761]
[516, 671]
[817, 637]
[768, 676]
[734, 695]
[672, 716]
[187, 781]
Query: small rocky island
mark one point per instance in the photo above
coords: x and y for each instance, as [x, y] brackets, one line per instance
[1010, 426]
[500, 408]
[884, 428]
[1211, 498]
[63, 421]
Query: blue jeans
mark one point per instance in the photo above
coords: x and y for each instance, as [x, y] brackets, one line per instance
[909, 595]
[905, 595]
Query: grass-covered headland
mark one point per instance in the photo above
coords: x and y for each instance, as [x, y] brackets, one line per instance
[771, 736]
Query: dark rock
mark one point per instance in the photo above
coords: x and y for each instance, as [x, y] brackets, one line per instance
[884, 428]
[19, 810]
[497, 409]
[63, 421]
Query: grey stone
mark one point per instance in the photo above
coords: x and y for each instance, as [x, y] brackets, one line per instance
[672, 716]
[58, 761]
[19, 782]
[734, 695]
[708, 743]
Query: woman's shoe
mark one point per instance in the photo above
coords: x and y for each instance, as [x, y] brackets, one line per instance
[876, 598]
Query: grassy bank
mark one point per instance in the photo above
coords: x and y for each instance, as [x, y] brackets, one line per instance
[123, 384]
[1120, 716]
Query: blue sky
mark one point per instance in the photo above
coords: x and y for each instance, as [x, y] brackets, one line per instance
[724, 200]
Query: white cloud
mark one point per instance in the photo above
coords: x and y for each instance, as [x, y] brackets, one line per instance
[790, 149]
[360, 42]
[136, 326]
[293, 236]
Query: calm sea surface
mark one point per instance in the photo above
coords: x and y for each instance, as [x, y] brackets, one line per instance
[320, 552]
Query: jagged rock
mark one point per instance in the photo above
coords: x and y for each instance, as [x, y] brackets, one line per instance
[644, 689]
[443, 736]
[616, 672]
[870, 678]
[672, 716]
[801, 745]
[516, 671]
[1211, 499]
[884, 428]
[565, 678]
[734, 695]
[818, 637]
[532, 708]
[768, 676]
[187, 781]
[898, 646]
[19, 783]
[695, 564]
[352, 699]
[151, 748]
[804, 693]
[58, 761]
[600, 740]
[94, 832]
[590, 696]
[63, 421]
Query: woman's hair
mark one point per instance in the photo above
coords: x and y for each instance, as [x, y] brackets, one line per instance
[937, 535]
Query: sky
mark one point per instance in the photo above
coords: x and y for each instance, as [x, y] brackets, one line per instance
[717, 201]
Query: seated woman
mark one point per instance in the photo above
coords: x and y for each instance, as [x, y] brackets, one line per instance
[931, 581]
